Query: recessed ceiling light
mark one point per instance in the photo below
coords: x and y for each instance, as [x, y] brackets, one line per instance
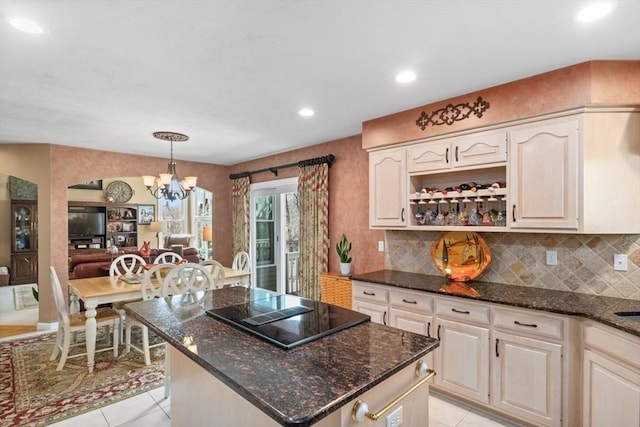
[26, 26]
[405, 76]
[306, 112]
[595, 11]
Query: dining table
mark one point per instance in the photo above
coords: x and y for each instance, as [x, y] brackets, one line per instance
[94, 291]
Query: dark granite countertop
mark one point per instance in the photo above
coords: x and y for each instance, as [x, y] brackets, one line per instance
[598, 308]
[295, 387]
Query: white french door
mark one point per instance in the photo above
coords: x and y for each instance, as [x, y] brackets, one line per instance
[275, 225]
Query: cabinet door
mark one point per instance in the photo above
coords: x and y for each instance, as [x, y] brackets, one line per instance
[24, 268]
[429, 156]
[527, 378]
[544, 175]
[388, 188]
[24, 227]
[463, 361]
[611, 395]
[378, 312]
[480, 149]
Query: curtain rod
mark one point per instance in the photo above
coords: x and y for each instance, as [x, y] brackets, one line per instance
[274, 170]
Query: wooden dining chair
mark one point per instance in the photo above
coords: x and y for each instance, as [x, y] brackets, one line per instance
[127, 265]
[149, 288]
[217, 272]
[188, 278]
[69, 323]
[241, 262]
[166, 257]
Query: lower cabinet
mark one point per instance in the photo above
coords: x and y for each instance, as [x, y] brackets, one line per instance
[527, 378]
[506, 359]
[24, 268]
[611, 377]
[463, 365]
[372, 300]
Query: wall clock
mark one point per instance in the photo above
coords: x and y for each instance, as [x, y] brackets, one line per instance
[119, 191]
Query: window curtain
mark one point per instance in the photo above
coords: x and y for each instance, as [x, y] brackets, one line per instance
[313, 196]
[240, 206]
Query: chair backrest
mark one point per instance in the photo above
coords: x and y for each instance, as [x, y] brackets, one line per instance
[241, 261]
[217, 272]
[126, 265]
[152, 279]
[61, 304]
[187, 277]
[165, 257]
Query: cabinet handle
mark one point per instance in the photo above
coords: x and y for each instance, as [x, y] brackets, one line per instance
[460, 311]
[456, 153]
[446, 156]
[371, 294]
[429, 329]
[513, 213]
[529, 325]
[384, 317]
[409, 302]
[497, 344]
[26, 260]
[402, 215]
[439, 332]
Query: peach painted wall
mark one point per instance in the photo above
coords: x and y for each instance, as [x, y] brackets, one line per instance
[31, 162]
[588, 83]
[348, 196]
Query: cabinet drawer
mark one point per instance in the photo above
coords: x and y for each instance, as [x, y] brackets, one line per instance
[528, 322]
[367, 292]
[610, 341]
[413, 301]
[463, 311]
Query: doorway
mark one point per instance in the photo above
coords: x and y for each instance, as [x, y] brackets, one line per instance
[275, 231]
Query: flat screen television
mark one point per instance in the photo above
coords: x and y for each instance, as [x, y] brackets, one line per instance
[86, 224]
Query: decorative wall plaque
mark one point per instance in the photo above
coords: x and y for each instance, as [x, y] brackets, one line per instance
[452, 113]
[19, 189]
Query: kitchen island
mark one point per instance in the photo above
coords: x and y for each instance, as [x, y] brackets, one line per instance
[221, 375]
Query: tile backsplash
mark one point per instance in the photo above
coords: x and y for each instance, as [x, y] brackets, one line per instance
[585, 262]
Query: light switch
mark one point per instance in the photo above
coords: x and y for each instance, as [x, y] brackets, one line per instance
[381, 246]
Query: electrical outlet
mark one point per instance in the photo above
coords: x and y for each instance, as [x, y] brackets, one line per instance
[620, 262]
[381, 246]
[552, 257]
[394, 419]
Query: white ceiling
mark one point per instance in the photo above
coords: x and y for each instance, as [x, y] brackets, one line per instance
[233, 74]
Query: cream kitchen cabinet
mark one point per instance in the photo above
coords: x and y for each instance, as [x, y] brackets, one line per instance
[412, 311]
[559, 171]
[463, 360]
[388, 188]
[372, 300]
[481, 148]
[563, 169]
[527, 365]
[544, 175]
[611, 377]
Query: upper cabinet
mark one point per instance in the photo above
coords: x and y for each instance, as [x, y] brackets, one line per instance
[471, 150]
[557, 173]
[543, 178]
[388, 188]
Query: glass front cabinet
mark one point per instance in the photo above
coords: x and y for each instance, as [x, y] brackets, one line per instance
[24, 242]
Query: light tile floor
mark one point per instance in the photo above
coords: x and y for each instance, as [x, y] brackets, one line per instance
[153, 410]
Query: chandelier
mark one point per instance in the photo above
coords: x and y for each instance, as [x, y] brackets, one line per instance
[168, 185]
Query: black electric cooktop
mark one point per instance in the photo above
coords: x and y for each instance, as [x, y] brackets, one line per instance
[287, 320]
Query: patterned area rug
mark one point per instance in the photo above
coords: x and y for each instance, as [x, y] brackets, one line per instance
[33, 393]
[23, 297]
